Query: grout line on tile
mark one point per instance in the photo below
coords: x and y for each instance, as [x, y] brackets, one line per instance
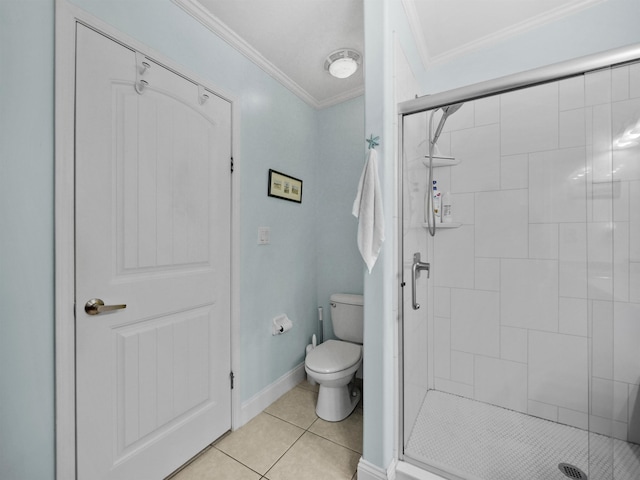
[286, 451]
[286, 421]
[244, 465]
[329, 440]
[311, 433]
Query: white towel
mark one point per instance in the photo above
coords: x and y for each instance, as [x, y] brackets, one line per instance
[367, 208]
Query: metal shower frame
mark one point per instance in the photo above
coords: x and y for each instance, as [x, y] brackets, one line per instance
[517, 81]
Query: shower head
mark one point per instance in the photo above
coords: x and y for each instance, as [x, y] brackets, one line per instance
[451, 109]
[446, 113]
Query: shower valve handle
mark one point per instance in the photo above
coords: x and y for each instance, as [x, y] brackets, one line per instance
[415, 273]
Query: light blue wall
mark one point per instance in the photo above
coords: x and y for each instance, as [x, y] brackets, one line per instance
[26, 240]
[379, 285]
[338, 168]
[608, 25]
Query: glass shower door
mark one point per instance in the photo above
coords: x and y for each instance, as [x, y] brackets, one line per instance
[613, 102]
[525, 345]
[415, 324]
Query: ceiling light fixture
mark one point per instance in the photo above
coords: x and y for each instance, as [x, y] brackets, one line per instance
[343, 63]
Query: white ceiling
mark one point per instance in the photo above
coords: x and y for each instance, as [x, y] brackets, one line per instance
[290, 39]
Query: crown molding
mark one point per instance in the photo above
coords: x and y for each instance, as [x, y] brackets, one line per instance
[343, 97]
[500, 35]
[416, 31]
[213, 23]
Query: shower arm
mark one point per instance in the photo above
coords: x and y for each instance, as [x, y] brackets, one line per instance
[430, 214]
[433, 138]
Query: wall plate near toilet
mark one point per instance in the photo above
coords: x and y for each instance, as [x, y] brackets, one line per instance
[281, 324]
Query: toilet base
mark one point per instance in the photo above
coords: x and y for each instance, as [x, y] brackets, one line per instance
[337, 403]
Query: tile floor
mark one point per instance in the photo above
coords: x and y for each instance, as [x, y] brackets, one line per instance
[287, 441]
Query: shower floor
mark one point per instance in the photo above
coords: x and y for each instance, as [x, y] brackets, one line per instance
[478, 441]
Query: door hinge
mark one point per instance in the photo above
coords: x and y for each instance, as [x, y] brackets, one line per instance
[231, 377]
[231, 164]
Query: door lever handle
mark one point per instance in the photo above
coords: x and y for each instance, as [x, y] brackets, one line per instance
[415, 273]
[96, 306]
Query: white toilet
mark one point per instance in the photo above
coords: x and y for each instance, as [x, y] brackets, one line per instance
[333, 364]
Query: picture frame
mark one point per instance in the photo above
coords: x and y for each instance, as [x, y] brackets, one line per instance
[284, 187]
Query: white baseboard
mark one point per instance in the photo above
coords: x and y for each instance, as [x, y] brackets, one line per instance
[369, 471]
[268, 395]
[406, 471]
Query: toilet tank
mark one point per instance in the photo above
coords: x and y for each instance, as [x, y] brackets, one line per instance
[347, 317]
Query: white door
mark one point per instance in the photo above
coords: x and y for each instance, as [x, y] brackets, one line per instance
[152, 233]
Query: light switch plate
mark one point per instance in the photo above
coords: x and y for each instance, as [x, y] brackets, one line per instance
[264, 234]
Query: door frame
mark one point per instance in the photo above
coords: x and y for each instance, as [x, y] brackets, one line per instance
[67, 16]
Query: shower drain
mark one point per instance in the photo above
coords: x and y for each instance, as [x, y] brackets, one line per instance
[572, 471]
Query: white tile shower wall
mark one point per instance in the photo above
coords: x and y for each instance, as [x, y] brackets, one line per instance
[557, 369]
[501, 382]
[634, 222]
[557, 191]
[514, 171]
[475, 322]
[529, 294]
[573, 260]
[537, 294]
[529, 120]
[478, 150]
[501, 224]
[454, 250]
[625, 116]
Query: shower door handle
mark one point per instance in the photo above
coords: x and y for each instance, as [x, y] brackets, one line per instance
[415, 273]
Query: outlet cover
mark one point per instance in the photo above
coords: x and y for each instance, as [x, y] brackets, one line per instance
[264, 234]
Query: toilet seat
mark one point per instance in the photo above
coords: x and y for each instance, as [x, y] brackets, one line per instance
[333, 356]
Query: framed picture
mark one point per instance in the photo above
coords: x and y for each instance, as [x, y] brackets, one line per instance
[285, 187]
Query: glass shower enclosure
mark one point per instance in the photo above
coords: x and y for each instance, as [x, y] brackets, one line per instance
[520, 344]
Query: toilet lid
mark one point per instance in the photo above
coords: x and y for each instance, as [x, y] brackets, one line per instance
[333, 356]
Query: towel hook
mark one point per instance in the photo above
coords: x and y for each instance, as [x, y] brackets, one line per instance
[203, 96]
[142, 65]
[373, 141]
